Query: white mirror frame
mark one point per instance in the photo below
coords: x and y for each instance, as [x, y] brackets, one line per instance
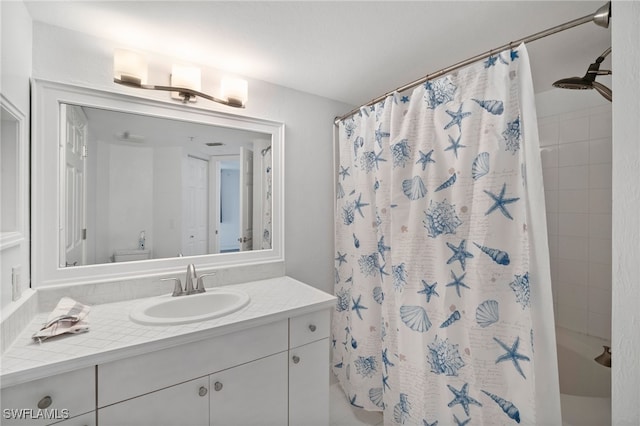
[46, 184]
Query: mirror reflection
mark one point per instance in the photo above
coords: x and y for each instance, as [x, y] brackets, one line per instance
[140, 187]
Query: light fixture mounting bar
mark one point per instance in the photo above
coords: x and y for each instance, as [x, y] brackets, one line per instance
[184, 92]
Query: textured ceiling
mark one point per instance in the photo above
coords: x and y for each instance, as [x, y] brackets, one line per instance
[348, 51]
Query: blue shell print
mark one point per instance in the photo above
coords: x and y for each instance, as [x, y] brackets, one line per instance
[370, 160]
[512, 136]
[498, 256]
[401, 153]
[447, 183]
[344, 297]
[441, 218]
[444, 358]
[455, 316]
[366, 366]
[487, 313]
[376, 396]
[399, 276]
[401, 411]
[493, 106]
[348, 213]
[507, 406]
[415, 317]
[378, 295]
[520, 287]
[369, 265]
[480, 166]
[438, 92]
[414, 188]
[350, 127]
[358, 143]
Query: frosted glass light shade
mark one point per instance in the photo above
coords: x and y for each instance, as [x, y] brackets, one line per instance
[187, 77]
[129, 66]
[235, 91]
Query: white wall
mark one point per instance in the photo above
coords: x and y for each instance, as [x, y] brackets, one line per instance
[66, 56]
[167, 202]
[16, 64]
[575, 140]
[626, 207]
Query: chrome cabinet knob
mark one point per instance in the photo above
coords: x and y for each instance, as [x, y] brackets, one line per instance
[312, 327]
[295, 359]
[45, 402]
[202, 391]
[217, 386]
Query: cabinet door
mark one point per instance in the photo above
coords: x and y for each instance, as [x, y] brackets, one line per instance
[186, 404]
[251, 394]
[309, 384]
[88, 419]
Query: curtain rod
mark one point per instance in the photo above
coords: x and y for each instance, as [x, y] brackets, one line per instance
[510, 45]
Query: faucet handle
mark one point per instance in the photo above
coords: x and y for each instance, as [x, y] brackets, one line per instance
[177, 289]
[200, 282]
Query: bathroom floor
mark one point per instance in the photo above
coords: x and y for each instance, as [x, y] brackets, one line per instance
[344, 414]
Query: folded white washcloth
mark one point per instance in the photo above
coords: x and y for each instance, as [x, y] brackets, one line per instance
[67, 317]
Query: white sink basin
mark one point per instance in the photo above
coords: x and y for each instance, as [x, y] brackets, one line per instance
[168, 310]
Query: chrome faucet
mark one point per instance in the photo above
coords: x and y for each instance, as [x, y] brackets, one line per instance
[191, 277]
[177, 289]
[188, 285]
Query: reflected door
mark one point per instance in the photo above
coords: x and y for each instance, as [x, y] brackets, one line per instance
[73, 217]
[196, 207]
[246, 199]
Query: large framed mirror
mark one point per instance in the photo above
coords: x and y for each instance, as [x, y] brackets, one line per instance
[125, 186]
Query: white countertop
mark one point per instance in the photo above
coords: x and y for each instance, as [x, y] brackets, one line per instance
[112, 335]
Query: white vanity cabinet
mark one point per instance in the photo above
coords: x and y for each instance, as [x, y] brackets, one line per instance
[50, 400]
[274, 374]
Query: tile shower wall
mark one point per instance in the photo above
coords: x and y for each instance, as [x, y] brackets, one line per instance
[576, 159]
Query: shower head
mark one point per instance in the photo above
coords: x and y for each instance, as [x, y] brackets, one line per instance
[602, 15]
[588, 81]
[605, 357]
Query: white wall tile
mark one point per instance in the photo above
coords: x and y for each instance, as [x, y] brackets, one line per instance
[600, 200]
[551, 201]
[600, 151]
[600, 250]
[599, 300]
[572, 295]
[600, 176]
[572, 318]
[600, 226]
[573, 154]
[573, 224]
[548, 132]
[600, 275]
[573, 272]
[573, 201]
[600, 126]
[549, 156]
[574, 177]
[552, 224]
[550, 179]
[573, 248]
[573, 130]
[599, 325]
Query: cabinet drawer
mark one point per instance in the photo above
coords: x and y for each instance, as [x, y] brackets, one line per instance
[88, 419]
[130, 377]
[309, 328]
[69, 395]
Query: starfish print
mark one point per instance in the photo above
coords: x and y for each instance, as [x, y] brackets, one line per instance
[359, 205]
[514, 55]
[456, 118]
[382, 248]
[455, 144]
[491, 61]
[462, 398]
[352, 401]
[385, 382]
[459, 253]
[404, 99]
[342, 258]
[385, 361]
[429, 290]
[379, 134]
[499, 202]
[377, 158]
[344, 172]
[425, 159]
[460, 422]
[512, 354]
[357, 306]
[457, 282]
[382, 271]
[426, 423]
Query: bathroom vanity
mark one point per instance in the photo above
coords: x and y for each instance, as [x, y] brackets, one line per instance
[266, 364]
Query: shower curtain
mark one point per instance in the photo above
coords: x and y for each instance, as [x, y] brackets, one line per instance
[444, 310]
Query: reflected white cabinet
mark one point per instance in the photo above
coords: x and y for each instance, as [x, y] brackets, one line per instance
[184, 404]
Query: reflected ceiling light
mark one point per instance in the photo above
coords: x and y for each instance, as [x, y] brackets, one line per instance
[130, 69]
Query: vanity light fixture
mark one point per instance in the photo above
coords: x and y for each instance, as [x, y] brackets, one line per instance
[130, 69]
